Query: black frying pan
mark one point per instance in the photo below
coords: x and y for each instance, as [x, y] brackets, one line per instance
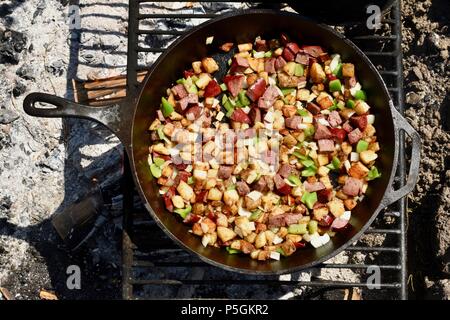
[130, 119]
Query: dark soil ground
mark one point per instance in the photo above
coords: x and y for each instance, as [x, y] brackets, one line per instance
[426, 69]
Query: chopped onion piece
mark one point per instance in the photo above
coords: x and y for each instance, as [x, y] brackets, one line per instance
[347, 165]
[318, 241]
[277, 239]
[323, 122]
[259, 54]
[334, 62]
[209, 40]
[307, 119]
[254, 195]
[355, 88]
[275, 255]
[246, 109]
[354, 156]
[220, 115]
[346, 215]
[302, 126]
[243, 212]
[370, 119]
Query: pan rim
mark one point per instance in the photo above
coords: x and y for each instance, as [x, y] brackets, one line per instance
[383, 91]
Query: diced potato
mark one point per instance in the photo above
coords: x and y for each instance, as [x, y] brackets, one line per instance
[260, 240]
[230, 197]
[269, 235]
[251, 237]
[347, 113]
[160, 148]
[369, 131]
[201, 166]
[346, 148]
[185, 190]
[197, 229]
[222, 220]
[323, 171]
[245, 47]
[341, 195]
[278, 52]
[319, 213]
[303, 94]
[288, 247]
[350, 203]
[374, 146]
[358, 170]
[317, 73]
[322, 159]
[197, 66]
[289, 141]
[294, 237]
[361, 107]
[282, 232]
[200, 174]
[326, 181]
[254, 254]
[236, 244]
[225, 234]
[210, 65]
[155, 124]
[198, 208]
[336, 207]
[214, 194]
[368, 156]
[207, 225]
[348, 70]
[203, 80]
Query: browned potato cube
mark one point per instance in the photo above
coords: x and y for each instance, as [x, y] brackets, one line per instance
[348, 70]
[210, 65]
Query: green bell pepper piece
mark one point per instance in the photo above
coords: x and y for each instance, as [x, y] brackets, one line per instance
[373, 173]
[309, 131]
[294, 179]
[312, 226]
[335, 85]
[302, 112]
[223, 86]
[268, 54]
[309, 198]
[298, 72]
[183, 212]
[310, 171]
[280, 251]
[360, 95]
[362, 146]
[243, 98]
[350, 104]
[181, 81]
[228, 106]
[255, 215]
[160, 132]
[166, 107]
[338, 71]
[155, 170]
[300, 228]
[190, 180]
[232, 251]
[287, 91]
[158, 162]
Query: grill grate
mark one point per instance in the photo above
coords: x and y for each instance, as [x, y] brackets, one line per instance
[154, 267]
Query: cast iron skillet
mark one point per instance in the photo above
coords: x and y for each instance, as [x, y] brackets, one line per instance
[130, 119]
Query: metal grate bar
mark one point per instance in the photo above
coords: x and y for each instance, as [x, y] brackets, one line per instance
[177, 16]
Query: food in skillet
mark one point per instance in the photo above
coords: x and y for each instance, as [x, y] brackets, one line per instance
[269, 157]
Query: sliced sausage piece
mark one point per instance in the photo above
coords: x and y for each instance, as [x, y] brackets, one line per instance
[322, 132]
[347, 127]
[324, 195]
[352, 186]
[242, 188]
[182, 104]
[212, 89]
[255, 115]
[313, 108]
[269, 65]
[269, 97]
[359, 121]
[264, 184]
[257, 89]
[288, 55]
[338, 134]
[280, 63]
[293, 47]
[326, 145]
[281, 186]
[285, 170]
[225, 172]
[292, 218]
[238, 64]
[355, 136]
[179, 91]
[240, 116]
[312, 187]
[302, 58]
[193, 112]
[313, 51]
[277, 221]
[287, 81]
[234, 83]
[261, 45]
[293, 122]
[334, 118]
[339, 224]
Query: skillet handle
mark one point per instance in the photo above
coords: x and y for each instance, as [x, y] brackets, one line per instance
[413, 174]
[116, 117]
